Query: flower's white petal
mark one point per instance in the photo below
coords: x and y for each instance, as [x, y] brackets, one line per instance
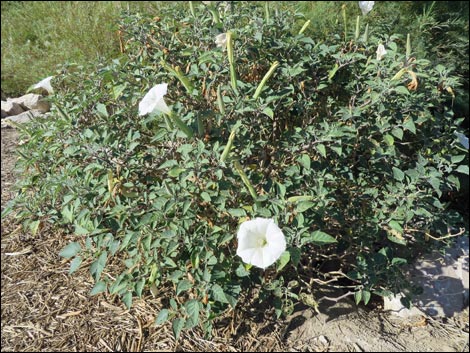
[153, 100]
[260, 242]
[162, 107]
[253, 257]
[257, 225]
[261, 224]
[274, 233]
[249, 240]
[45, 84]
[366, 6]
[463, 140]
[221, 39]
[269, 256]
[380, 52]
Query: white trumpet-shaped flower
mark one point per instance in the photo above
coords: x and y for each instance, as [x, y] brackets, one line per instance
[45, 84]
[366, 6]
[153, 101]
[462, 139]
[381, 52]
[260, 242]
[221, 40]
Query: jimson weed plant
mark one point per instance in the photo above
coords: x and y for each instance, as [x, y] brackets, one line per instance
[224, 153]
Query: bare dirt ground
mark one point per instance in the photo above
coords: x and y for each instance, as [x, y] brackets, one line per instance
[45, 309]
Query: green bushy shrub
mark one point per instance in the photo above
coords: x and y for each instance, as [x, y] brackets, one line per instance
[353, 156]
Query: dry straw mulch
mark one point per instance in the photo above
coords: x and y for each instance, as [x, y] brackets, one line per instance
[45, 309]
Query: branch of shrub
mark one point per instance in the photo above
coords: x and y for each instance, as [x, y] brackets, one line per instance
[449, 235]
[336, 299]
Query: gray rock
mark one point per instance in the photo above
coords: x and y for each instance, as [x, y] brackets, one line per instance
[21, 118]
[10, 108]
[444, 280]
[32, 101]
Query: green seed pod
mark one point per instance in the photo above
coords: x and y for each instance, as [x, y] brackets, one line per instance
[265, 79]
[408, 46]
[366, 34]
[356, 35]
[245, 179]
[304, 27]
[220, 101]
[228, 146]
[191, 8]
[231, 60]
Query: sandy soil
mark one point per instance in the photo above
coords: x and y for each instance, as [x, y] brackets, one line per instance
[44, 309]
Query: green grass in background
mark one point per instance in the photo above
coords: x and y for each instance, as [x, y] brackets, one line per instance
[39, 36]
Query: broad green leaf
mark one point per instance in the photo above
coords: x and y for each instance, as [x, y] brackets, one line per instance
[398, 261]
[304, 206]
[283, 260]
[34, 226]
[457, 159]
[183, 286]
[162, 317]
[192, 308]
[139, 286]
[436, 185]
[389, 140]
[127, 299]
[410, 125]
[319, 238]
[99, 287]
[218, 294]
[79, 230]
[168, 164]
[305, 161]
[294, 255]
[402, 90]
[365, 296]
[395, 239]
[463, 169]
[75, 264]
[174, 172]
[101, 109]
[205, 196]
[396, 226]
[241, 271]
[398, 174]
[338, 150]
[117, 90]
[398, 133]
[321, 149]
[237, 212]
[358, 296]
[269, 112]
[300, 198]
[177, 326]
[98, 265]
[70, 250]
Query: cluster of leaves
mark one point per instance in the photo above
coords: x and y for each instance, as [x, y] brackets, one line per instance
[352, 156]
